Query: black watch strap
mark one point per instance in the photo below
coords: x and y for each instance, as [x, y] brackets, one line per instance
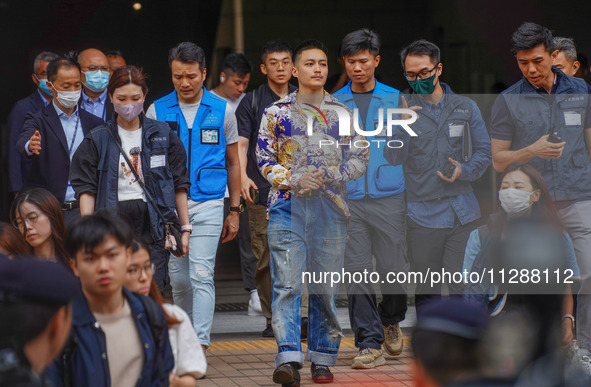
[239, 209]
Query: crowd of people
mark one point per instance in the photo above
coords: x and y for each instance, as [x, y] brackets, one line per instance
[133, 204]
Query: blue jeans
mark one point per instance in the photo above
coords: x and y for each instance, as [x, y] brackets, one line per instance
[191, 276]
[305, 234]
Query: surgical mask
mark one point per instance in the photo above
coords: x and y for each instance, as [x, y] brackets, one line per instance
[423, 86]
[514, 201]
[130, 111]
[68, 99]
[97, 80]
[43, 86]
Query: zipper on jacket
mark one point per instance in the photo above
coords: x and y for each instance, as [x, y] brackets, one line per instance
[190, 149]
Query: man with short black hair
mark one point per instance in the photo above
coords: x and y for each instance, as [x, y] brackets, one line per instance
[207, 127]
[378, 209]
[35, 317]
[438, 169]
[545, 120]
[95, 79]
[51, 136]
[276, 66]
[18, 166]
[566, 59]
[116, 60]
[121, 338]
[234, 79]
[307, 211]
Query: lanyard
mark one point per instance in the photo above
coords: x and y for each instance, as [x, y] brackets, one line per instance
[75, 132]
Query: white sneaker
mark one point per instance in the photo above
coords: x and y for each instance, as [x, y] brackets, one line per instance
[254, 305]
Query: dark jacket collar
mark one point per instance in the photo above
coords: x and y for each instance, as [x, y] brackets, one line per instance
[82, 314]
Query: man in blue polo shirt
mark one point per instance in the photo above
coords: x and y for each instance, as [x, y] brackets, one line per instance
[207, 127]
[545, 120]
[378, 210]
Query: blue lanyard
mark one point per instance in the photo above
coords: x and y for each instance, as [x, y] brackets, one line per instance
[75, 132]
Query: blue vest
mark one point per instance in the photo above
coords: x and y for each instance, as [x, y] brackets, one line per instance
[381, 179]
[534, 115]
[205, 143]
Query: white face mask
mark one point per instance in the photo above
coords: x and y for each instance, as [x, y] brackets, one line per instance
[514, 201]
[68, 99]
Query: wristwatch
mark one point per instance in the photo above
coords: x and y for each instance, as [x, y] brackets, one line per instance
[239, 209]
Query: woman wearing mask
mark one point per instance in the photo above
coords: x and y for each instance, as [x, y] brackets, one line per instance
[523, 196]
[37, 214]
[189, 360]
[102, 177]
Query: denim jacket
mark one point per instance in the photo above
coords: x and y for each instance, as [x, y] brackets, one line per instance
[90, 365]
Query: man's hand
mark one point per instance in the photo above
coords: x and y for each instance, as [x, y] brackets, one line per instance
[455, 176]
[405, 105]
[231, 225]
[545, 149]
[35, 143]
[311, 180]
[247, 184]
[185, 242]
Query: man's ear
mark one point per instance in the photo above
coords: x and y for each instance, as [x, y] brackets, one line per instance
[439, 69]
[74, 266]
[576, 66]
[554, 54]
[34, 78]
[294, 71]
[129, 253]
[263, 69]
[378, 58]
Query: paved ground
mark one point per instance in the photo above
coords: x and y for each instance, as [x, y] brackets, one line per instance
[239, 356]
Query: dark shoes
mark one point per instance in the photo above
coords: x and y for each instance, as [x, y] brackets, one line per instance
[287, 375]
[268, 332]
[321, 374]
[304, 328]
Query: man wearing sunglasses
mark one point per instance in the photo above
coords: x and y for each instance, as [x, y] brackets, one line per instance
[438, 170]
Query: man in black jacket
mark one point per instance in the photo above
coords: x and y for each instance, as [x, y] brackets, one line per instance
[52, 135]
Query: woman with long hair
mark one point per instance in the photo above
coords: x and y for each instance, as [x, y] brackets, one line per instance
[37, 214]
[524, 197]
[189, 359]
[155, 162]
[12, 243]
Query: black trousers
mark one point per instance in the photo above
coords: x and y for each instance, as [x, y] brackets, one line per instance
[377, 228]
[135, 212]
[434, 249]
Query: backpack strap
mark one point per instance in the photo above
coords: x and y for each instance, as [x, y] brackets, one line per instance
[157, 324]
[66, 359]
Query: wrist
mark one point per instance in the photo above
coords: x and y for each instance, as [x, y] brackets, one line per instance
[569, 317]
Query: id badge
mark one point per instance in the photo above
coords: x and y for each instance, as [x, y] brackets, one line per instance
[572, 119]
[210, 136]
[456, 130]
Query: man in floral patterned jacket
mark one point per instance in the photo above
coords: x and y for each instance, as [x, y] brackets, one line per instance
[304, 153]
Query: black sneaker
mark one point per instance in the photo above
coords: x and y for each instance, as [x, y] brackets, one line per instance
[304, 328]
[321, 374]
[268, 332]
[287, 374]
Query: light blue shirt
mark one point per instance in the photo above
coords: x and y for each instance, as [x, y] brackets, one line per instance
[97, 107]
[74, 136]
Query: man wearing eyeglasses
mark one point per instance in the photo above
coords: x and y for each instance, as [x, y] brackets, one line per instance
[95, 78]
[441, 207]
[18, 166]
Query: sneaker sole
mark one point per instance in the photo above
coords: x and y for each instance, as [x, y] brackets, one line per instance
[357, 365]
[392, 353]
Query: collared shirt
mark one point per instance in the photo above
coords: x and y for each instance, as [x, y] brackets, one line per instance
[45, 102]
[96, 107]
[285, 151]
[74, 136]
[441, 213]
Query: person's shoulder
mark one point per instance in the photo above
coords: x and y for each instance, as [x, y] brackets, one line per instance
[27, 102]
[514, 88]
[385, 89]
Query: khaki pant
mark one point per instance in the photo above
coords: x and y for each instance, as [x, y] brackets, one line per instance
[260, 247]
